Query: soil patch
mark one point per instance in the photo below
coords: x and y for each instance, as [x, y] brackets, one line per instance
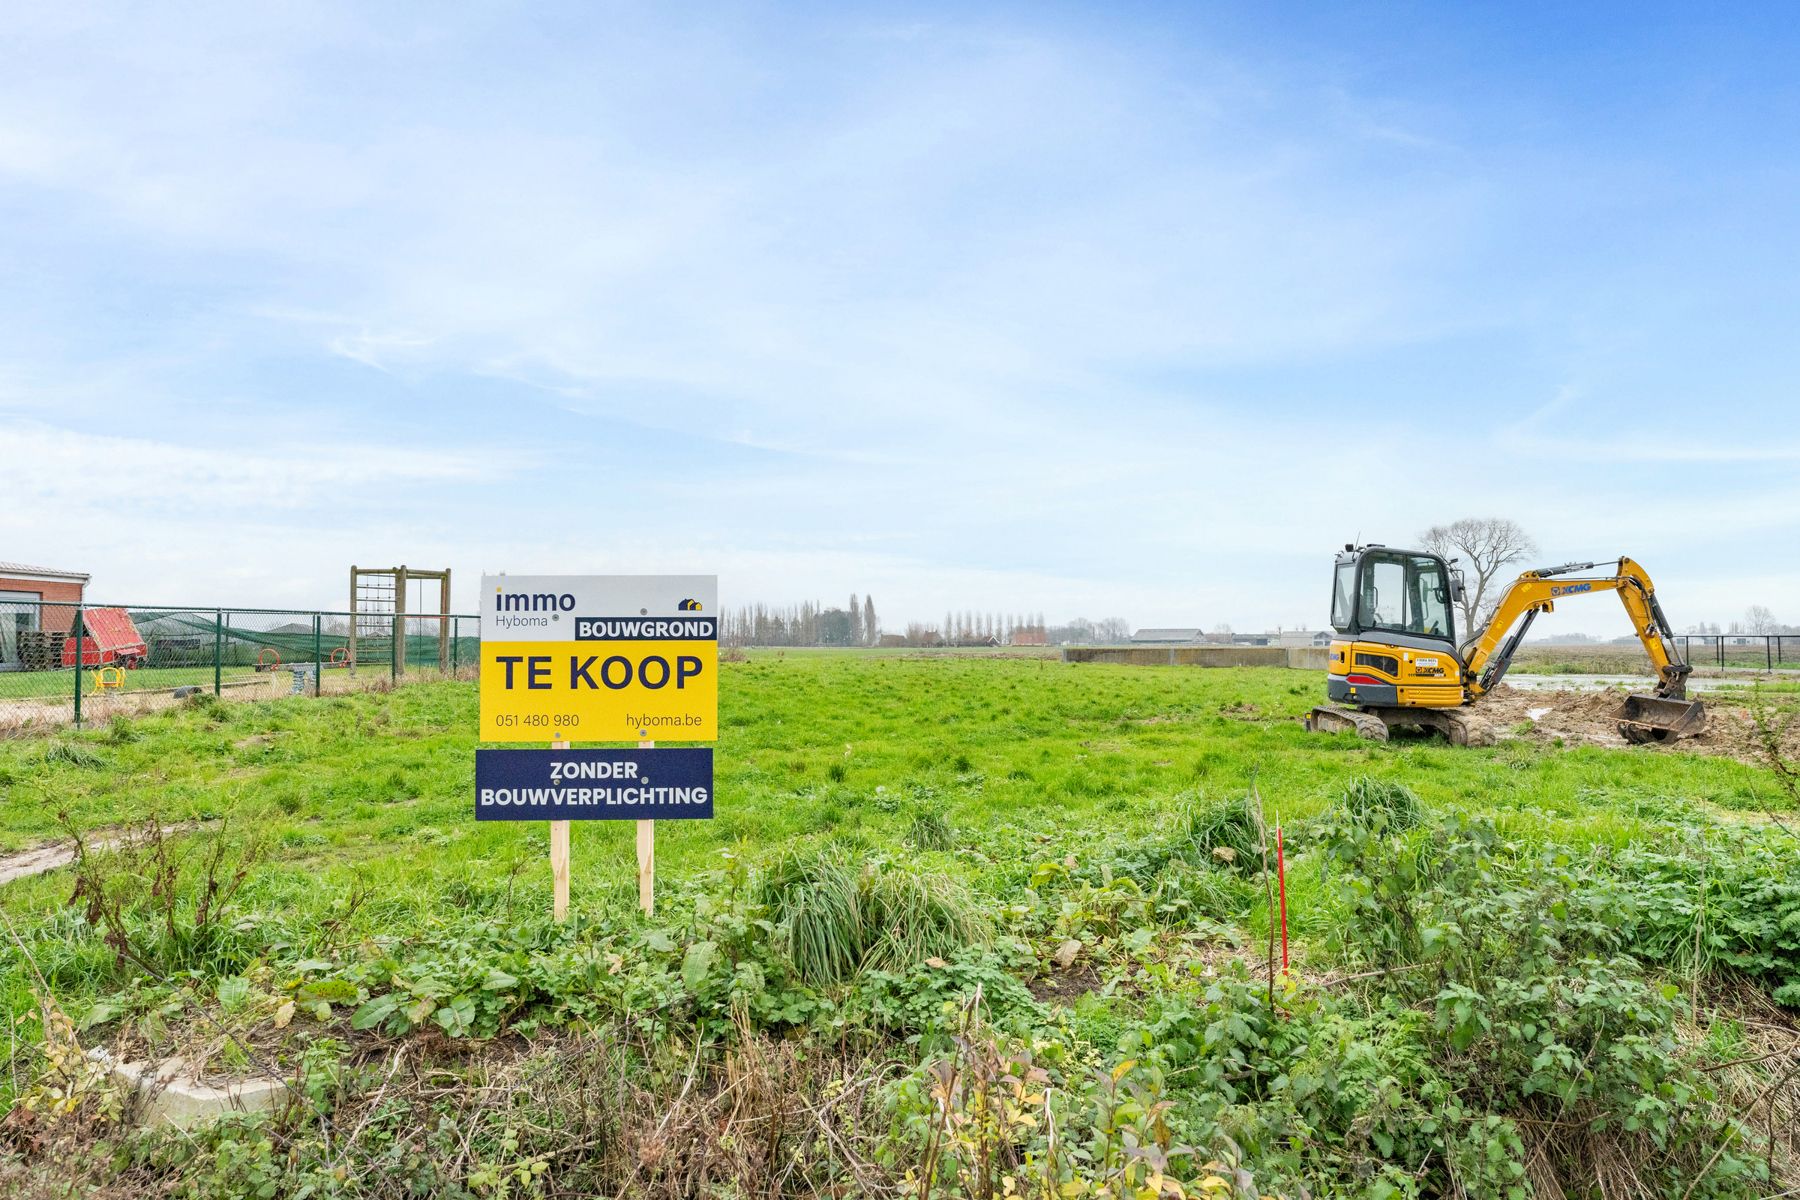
[22, 864]
[1585, 719]
[1066, 987]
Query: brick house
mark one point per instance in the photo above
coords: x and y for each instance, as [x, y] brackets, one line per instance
[35, 598]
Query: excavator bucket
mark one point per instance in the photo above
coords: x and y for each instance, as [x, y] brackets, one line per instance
[1658, 719]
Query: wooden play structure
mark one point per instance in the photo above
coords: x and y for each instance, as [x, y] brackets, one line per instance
[382, 601]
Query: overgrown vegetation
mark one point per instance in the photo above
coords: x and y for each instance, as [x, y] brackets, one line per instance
[962, 928]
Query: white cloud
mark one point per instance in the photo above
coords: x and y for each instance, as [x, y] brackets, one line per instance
[53, 472]
[960, 316]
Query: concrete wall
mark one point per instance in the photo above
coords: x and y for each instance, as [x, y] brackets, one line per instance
[1306, 658]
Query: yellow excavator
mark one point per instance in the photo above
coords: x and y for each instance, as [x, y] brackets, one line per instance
[1396, 662]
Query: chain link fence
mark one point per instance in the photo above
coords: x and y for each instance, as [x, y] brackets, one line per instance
[64, 663]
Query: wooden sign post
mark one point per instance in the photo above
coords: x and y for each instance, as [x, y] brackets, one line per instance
[646, 848]
[559, 862]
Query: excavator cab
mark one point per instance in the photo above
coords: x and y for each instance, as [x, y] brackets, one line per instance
[1394, 660]
[1383, 591]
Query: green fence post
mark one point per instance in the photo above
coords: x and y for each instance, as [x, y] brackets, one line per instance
[218, 651]
[455, 647]
[318, 660]
[80, 627]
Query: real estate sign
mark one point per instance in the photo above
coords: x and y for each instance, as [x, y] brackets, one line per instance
[599, 658]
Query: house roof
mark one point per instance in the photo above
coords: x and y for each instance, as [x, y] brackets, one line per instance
[1166, 635]
[26, 571]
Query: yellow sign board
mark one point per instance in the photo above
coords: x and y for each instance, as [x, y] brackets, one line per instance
[599, 658]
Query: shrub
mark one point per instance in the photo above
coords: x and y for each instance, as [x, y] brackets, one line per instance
[1542, 1020]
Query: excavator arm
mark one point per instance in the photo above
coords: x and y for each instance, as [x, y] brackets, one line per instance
[1491, 652]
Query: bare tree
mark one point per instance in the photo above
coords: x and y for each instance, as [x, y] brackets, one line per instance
[1486, 545]
[1758, 619]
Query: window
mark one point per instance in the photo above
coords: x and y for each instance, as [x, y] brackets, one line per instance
[18, 614]
[1343, 595]
[1405, 593]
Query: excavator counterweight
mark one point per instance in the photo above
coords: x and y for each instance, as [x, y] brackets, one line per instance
[1396, 661]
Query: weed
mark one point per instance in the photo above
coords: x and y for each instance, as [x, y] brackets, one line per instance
[1771, 730]
[147, 901]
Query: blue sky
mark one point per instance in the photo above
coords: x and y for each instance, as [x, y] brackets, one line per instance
[1112, 310]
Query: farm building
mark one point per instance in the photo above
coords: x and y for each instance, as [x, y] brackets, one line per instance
[33, 600]
[1299, 637]
[1167, 637]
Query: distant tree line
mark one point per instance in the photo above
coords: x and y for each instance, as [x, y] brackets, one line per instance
[971, 628]
[804, 624]
[856, 624]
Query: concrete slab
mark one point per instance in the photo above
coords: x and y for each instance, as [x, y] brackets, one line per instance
[170, 1093]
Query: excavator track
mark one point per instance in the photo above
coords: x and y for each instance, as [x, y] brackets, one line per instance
[1459, 726]
[1329, 718]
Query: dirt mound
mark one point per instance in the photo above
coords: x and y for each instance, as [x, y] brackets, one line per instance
[1584, 718]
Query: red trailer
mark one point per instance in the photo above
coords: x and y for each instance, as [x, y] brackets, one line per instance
[109, 639]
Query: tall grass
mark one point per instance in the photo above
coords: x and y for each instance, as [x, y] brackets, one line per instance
[930, 831]
[1227, 832]
[1364, 796]
[834, 918]
[812, 896]
[909, 916]
[74, 753]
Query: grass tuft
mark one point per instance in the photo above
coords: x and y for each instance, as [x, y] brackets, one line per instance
[74, 753]
[1226, 832]
[812, 896]
[909, 916]
[833, 918]
[1364, 796]
[930, 831]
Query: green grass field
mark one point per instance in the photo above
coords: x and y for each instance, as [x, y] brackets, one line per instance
[896, 836]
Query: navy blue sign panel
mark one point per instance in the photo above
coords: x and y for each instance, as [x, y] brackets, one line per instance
[671, 784]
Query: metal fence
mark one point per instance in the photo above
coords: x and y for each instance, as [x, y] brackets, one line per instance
[66, 663]
[1770, 651]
